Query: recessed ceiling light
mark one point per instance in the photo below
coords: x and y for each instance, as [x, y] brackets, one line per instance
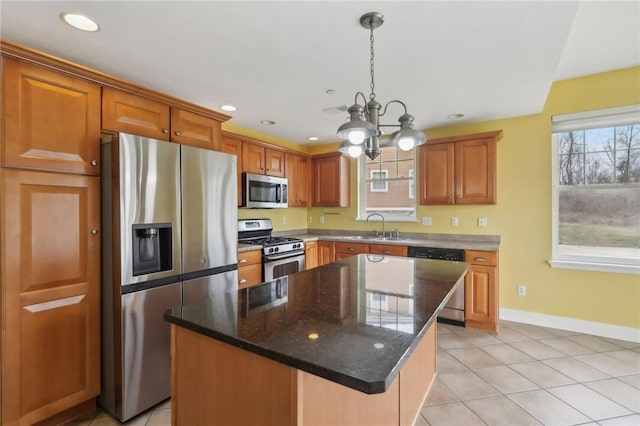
[455, 116]
[80, 22]
[268, 122]
[229, 108]
[313, 138]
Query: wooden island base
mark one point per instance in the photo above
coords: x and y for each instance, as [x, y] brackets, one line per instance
[217, 383]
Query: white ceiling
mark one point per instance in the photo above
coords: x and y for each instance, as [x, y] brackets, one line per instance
[276, 60]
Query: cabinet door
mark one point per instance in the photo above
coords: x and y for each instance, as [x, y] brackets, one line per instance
[50, 284]
[253, 160]
[302, 177]
[274, 161]
[437, 174]
[326, 252]
[481, 298]
[188, 128]
[475, 171]
[234, 146]
[297, 171]
[331, 181]
[51, 120]
[311, 254]
[124, 112]
[344, 250]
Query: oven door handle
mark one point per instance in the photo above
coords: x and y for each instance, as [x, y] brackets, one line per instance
[285, 255]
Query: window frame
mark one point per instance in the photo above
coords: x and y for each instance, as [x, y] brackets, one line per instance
[611, 117]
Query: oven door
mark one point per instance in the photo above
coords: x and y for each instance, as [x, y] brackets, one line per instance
[276, 266]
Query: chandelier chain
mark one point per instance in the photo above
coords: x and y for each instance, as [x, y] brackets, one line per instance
[372, 85]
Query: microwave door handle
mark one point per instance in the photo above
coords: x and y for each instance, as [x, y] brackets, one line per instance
[279, 193]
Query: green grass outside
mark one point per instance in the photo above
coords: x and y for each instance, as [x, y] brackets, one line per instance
[600, 235]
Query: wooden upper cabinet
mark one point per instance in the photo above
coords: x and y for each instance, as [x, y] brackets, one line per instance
[297, 172]
[192, 129]
[459, 170]
[51, 321]
[129, 113]
[233, 146]
[330, 180]
[51, 120]
[437, 175]
[262, 160]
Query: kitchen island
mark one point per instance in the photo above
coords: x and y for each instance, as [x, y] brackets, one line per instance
[352, 342]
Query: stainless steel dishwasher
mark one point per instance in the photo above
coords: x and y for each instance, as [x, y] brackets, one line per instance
[453, 312]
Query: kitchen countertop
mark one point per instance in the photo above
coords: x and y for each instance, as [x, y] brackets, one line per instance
[354, 322]
[451, 241]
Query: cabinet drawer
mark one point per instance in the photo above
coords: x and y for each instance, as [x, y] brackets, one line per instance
[388, 249]
[479, 257]
[249, 258]
[352, 248]
[249, 275]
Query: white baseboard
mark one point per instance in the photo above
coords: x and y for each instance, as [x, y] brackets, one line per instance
[571, 324]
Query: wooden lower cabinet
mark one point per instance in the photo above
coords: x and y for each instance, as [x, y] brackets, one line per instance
[344, 250]
[50, 267]
[249, 268]
[481, 290]
[326, 252]
[311, 254]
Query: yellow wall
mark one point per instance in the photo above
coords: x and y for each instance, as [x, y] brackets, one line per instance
[522, 216]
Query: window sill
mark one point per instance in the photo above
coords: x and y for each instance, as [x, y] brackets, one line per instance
[594, 266]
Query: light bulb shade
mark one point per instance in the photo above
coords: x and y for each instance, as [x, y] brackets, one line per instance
[356, 130]
[352, 150]
[407, 137]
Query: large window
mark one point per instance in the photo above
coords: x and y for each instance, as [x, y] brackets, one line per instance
[387, 185]
[596, 194]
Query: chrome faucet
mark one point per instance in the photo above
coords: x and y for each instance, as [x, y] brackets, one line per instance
[381, 217]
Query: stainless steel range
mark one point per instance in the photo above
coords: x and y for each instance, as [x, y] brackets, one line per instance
[281, 256]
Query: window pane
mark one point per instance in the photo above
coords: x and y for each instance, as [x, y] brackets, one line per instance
[394, 194]
[608, 217]
[597, 140]
[571, 142]
[571, 169]
[599, 168]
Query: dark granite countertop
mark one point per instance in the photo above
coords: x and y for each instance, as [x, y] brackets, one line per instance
[354, 322]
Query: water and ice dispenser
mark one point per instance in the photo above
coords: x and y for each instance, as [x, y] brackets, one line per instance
[152, 248]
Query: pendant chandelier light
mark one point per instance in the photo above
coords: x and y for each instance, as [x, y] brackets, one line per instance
[362, 131]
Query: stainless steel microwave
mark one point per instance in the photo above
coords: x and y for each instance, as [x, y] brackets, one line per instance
[264, 192]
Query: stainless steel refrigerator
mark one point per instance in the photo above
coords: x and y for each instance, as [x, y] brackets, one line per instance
[169, 237]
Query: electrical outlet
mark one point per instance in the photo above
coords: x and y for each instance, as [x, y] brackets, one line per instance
[321, 219]
[284, 220]
[482, 222]
[310, 219]
[426, 220]
[454, 220]
[522, 290]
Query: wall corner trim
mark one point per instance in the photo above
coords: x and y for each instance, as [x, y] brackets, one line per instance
[571, 324]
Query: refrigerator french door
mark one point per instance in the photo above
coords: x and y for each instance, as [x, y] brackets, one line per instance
[169, 215]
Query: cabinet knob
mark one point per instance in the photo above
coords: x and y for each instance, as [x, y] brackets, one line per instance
[177, 133]
[458, 196]
[242, 260]
[165, 130]
[94, 231]
[242, 281]
[94, 163]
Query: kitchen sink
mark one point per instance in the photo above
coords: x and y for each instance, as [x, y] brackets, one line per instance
[362, 238]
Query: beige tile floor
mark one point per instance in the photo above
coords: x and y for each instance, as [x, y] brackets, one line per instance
[524, 375]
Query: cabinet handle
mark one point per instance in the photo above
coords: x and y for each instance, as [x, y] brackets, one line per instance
[242, 281]
[386, 251]
[94, 163]
[242, 260]
[351, 249]
[480, 259]
[177, 133]
[165, 130]
[94, 232]
[458, 196]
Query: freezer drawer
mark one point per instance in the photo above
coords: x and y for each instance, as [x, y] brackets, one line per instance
[146, 363]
